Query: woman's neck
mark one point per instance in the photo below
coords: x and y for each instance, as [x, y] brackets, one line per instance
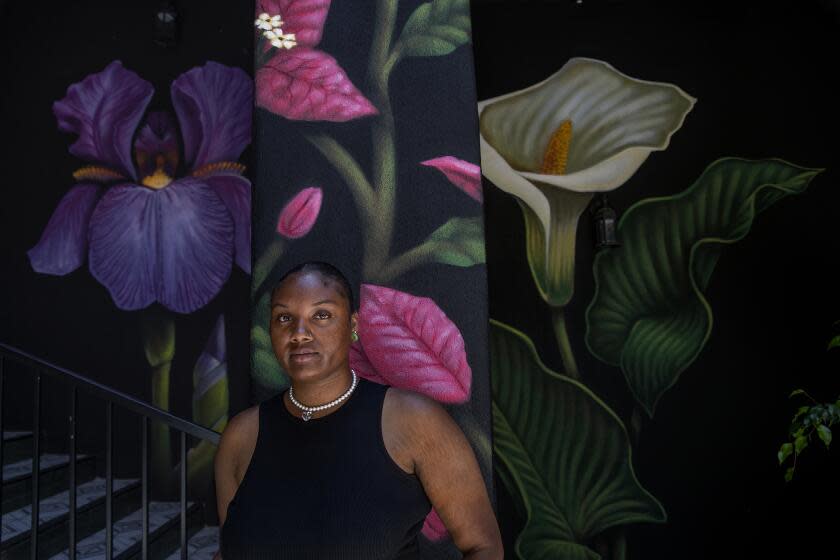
[317, 392]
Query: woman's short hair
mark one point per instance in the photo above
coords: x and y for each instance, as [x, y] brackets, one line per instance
[324, 269]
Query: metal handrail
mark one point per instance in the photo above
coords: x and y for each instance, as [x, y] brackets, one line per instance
[111, 397]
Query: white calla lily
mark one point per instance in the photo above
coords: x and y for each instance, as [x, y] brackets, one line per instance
[585, 129]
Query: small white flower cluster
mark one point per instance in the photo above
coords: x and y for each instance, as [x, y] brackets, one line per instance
[271, 28]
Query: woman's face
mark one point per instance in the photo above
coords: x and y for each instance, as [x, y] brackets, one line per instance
[310, 326]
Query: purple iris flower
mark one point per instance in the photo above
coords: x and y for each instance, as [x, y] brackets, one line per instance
[155, 228]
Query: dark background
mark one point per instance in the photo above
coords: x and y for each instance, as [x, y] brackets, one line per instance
[71, 320]
[763, 75]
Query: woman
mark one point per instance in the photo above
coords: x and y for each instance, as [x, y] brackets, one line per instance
[337, 466]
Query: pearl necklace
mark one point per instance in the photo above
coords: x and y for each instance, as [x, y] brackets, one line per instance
[307, 411]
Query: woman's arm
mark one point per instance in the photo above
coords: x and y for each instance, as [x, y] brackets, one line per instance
[235, 450]
[430, 444]
[236, 447]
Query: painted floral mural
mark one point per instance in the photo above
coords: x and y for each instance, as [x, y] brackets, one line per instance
[160, 210]
[563, 455]
[294, 79]
[150, 235]
[585, 129]
[407, 337]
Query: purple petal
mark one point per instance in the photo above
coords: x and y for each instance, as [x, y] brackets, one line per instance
[123, 241]
[63, 244]
[235, 192]
[309, 85]
[213, 103]
[157, 137]
[173, 245]
[198, 245]
[104, 109]
[215, 347]
[207, 371]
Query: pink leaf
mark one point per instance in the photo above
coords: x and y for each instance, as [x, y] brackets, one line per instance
[300, 213]
[361, 365]
[304, 18]
[463, 174]
[413, 345]
[433, 527]
[309, 85]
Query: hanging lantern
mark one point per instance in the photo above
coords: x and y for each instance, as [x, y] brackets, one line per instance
[605, 223]
[166, 24]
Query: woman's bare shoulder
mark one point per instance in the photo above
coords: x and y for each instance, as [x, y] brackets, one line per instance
[242, 428]
[417, 413]
[410, 402]
[236, 447]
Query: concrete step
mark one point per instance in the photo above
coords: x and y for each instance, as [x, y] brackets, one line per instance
[54, 473]
[202, 546]
[17, 445]
[164, 527]
[54, 517]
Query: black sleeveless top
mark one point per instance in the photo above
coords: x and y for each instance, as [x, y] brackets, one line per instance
[325, 489]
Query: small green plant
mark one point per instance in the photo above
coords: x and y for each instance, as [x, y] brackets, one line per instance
[815, 417]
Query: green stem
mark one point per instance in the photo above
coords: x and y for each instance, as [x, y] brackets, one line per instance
[421, 254]
[569, 364]
[161, 443]
[382, 61]
[265, 264]
[350, 170]
[391, 61]
[158, 329]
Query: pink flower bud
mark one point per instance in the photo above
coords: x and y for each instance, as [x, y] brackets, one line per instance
[463, 174]
[433, 527]
[300, 213]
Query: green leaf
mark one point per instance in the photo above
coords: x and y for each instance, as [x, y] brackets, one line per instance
[649, 314]
[561, 452]
[436, 28]
[834, 342]
[459, 242]
[825, 434]
[266, 370]
[262, 311]
[789, 474]
[213, 404]
[800, 443]
[796, 392]
[261, 339]
[785, 452]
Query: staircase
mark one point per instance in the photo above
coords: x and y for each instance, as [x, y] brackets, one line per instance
[169, 522]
